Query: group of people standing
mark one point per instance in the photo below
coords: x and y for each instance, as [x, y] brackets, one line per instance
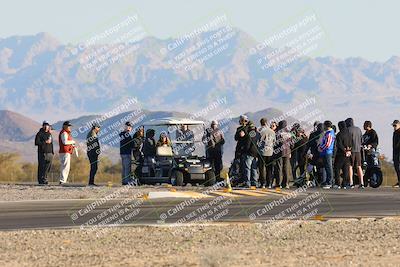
[44, 142]
[268, 154]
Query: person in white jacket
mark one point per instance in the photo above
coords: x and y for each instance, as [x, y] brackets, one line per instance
[66, 149]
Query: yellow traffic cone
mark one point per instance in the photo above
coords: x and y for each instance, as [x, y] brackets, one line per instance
[228, 184]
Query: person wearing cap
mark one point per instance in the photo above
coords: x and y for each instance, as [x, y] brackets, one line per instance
[93, 151]
[66, 149]
[396, 150]
[240, 145]
[214, 140]
[44, 142]
[125, 150]
[326, 148]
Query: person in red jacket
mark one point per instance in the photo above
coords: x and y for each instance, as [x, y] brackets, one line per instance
[66, 149]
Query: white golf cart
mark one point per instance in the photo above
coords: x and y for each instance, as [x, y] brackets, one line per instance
[183, 160]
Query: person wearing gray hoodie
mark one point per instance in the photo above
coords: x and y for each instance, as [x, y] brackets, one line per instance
[356, 137]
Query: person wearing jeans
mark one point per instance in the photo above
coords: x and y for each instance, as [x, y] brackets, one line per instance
[125, 150]
[250, 155]
[250, 170]
[326, 148]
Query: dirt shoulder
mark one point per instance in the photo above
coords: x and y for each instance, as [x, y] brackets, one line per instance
[367, 242]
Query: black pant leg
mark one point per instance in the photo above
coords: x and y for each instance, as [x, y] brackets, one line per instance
[41, 163]
[345, 170]
[93, 159]
[262, 170]
[47, 166]
[396, 163]
[279, 170]
[269, 170]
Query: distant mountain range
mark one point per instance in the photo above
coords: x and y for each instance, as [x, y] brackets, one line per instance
[45, 79]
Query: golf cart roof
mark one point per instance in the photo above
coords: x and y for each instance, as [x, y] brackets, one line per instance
[172, 121]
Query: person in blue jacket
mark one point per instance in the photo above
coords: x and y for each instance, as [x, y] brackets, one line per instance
[326, 148]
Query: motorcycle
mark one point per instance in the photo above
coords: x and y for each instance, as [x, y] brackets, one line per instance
[371, 166]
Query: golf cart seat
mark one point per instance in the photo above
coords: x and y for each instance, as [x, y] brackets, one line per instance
[164, 151]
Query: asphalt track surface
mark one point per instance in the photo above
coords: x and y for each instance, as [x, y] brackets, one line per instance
[312, 204]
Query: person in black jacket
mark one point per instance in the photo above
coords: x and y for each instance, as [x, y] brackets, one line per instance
[44, 142]
[250, 151]
[125, 150]
[149, 145]
[396, 150]
[356, 165]
[343, 154]
[214, 140]
[370, 137]
[240, 145]
[312, 146]
[137, 149]
[93, 151]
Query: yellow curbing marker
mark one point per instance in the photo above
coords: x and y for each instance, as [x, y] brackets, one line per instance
[278, 189]
[109, 184]
[228, 188]
[168, 185]
[146, 196]
[319, 218]
[172, 190]
[253, 187]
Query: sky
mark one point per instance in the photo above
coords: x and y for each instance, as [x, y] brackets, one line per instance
[356, 28]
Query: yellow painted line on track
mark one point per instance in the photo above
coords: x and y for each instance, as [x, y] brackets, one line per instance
[248, 193]
[277, 192]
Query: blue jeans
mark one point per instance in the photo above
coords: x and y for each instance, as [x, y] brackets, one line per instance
[126, 167]
[250, 170]
[328, 174]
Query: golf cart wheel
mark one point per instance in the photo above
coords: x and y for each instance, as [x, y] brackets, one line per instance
[178, 177]
[210, 178]
[374, 177]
